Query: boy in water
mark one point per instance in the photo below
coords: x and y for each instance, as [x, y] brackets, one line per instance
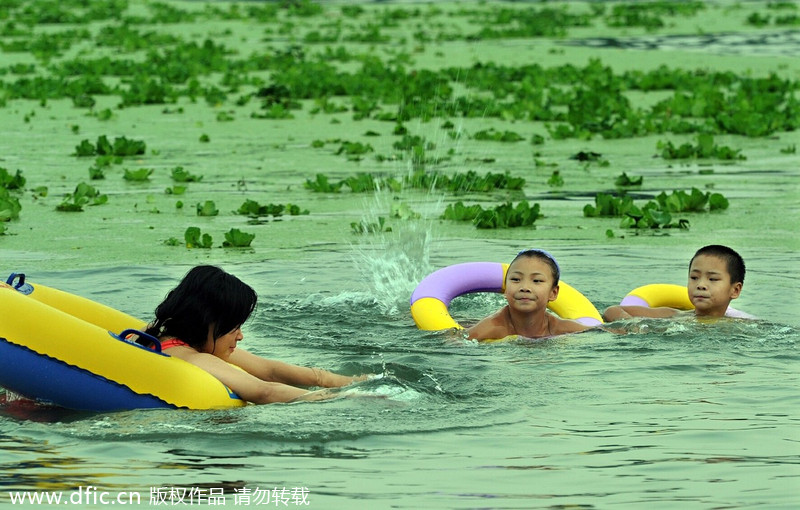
[716, 276]
[531, 283]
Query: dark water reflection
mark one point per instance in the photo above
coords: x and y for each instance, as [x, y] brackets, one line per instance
[772, 43]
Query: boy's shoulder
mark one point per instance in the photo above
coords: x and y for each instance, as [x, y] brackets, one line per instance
[563, 326]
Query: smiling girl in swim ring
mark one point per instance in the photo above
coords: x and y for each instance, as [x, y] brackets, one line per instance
[531, 283]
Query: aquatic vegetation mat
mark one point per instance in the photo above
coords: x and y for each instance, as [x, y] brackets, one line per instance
[382, 100]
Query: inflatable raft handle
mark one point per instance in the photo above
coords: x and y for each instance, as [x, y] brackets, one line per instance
[21, 286]
[141, 334]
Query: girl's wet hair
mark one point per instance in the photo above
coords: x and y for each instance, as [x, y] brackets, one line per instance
[534, 253]
[733, 261]
[207, 297]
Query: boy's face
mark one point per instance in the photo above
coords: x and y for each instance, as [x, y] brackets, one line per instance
[529, 284]
[709, 287]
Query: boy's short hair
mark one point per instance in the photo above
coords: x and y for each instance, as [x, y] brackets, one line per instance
[733, 260]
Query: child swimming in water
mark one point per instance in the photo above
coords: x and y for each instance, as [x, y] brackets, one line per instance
[200, 322]
[716, 277]
[531, 283]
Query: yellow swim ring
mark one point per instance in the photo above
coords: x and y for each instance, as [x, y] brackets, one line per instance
[70, 351]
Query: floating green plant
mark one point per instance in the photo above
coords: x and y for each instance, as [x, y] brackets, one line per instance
[178, 174]
[366, 227]
[96, 173]
[705, 148]
[255, 210]
[362, 182]
[502, 216]
[460, 182]
[138, 175]
[555, 180]
[694, 201]
[354, 150]
[9, 207]
[497, 136]
[403, 211]
[84, 194]
[608, 205]
[235, 238]
[207, 208]
[655, 213]
[175, 189]
[321, 184]
[195, 239]
[121, 147]
[626, 181]
[650, 217]
[11, 181]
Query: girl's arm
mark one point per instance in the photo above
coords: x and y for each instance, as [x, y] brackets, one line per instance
[249, 387]
[278, 371]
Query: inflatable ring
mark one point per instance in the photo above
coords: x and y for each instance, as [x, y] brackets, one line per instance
[430, 299]
[60, 348]
[670, 295]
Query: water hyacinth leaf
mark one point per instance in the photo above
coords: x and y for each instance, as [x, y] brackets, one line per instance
[362, 182]
[460, 212]
[608, 205]
[555, 179]
[235, 238]
[625, 180]
[9, 181]
[367, 227]
[207, 208]
[122, 147]
[175, 190]
[84, 194]
[403, 211]
[717, 202]
[194, 238]
[505, 215]
[139, 175]
[321, 184]
[657, 217]
[9, 206]
[705, 145]
[497, 136]
[178, 174]
[96, 173]
[84, 149]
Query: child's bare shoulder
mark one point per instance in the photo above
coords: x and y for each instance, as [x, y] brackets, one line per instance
[494, 326]
[563, 326]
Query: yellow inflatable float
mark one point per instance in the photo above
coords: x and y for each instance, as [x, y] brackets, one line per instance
[655, 295]
[67, 350]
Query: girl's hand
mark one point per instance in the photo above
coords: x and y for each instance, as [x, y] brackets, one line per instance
[330, 380]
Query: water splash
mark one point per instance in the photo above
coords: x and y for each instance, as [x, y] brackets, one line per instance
[393, 262]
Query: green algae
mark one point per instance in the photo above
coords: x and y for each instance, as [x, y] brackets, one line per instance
[251, 81]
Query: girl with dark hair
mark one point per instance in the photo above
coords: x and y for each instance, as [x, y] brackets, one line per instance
[200, 322]
[531, 283]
